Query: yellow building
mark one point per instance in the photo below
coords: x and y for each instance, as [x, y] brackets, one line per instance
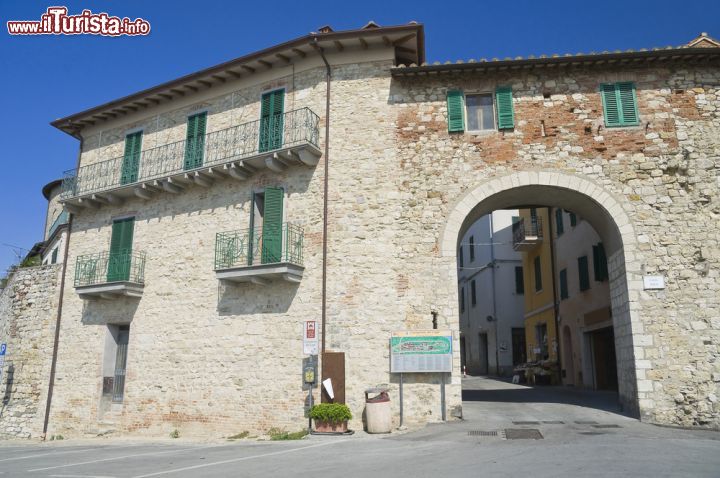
[531, 236]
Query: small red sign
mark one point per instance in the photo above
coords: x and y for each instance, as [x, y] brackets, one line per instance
[310, 330]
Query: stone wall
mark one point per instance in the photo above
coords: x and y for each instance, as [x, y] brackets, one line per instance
[664, 173]
[28, 310]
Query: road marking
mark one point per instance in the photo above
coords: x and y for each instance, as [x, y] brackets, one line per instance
[235, 460]
[114, 458]
[45, 454]
[81, 476]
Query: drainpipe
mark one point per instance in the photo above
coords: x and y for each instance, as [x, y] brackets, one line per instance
[494, 304]
[556, 301]
[56, 342]
[328, 77]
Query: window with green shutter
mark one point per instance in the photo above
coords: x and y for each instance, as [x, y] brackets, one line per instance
[272, 226]
[583, 273]
[600, 263]
[619, 104]
[563, 285]
[455, 111]
[505, 112]
[519, 280]
[559, 226]
[131, 158]
[271, 120]
[573, 219]
[195, 140]
[118, 268]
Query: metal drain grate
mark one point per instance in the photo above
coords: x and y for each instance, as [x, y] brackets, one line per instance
[526, 423]
[523, 434]
[553, 422]
[589, 422]
[483, 433]
[607, 426]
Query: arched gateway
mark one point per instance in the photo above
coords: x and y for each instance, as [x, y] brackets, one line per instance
[607, 215]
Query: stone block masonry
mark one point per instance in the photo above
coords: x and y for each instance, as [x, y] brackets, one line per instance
[28, 311]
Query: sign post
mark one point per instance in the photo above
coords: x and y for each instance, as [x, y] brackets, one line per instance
[421, 351]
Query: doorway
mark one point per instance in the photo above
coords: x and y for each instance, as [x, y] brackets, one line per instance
[602, 343]
[483, 354]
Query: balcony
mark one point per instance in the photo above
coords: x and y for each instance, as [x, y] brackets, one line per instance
[528, 235]
[247, 256]
[108, 275]
[61, 220]
[234, 152]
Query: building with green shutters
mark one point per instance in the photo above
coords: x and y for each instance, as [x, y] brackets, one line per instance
[329, 179]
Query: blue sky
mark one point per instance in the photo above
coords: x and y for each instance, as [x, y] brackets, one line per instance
[47, 77]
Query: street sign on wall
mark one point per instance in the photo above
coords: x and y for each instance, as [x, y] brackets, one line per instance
[310, 338]
[421, 351]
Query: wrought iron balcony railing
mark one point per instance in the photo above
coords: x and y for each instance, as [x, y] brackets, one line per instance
[297, 127]
[251, 247]
[59, 221]
[106, 267]
[527, 232]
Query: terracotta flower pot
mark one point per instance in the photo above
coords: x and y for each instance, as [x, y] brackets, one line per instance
[330, 427]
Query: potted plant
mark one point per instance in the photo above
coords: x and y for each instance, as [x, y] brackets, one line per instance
[330, 417]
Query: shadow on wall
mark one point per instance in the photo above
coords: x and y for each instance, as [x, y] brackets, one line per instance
[247, 298]
[103, 312]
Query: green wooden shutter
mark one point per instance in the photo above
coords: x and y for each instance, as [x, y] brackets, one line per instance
[519, 281]
[272, 226]
[538, 274]
[119, 258]
[195, 141]
[560, 227]
[573, 219]
[563, 285]
[619, 104]
[131, 158]
[505, 112]
[600, 263]
[272, 106]
[583, 273]
[628, 103]
[455, 111]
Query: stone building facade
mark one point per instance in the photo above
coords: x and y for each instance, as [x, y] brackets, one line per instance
[491, 292]
[209, 356]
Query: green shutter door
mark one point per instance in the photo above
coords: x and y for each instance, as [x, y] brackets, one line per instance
[583, 273]
[271, 120]
[131, 159]
[272, 226]
[505, 112]
[120, 250]
[455, 111]
[195, 141]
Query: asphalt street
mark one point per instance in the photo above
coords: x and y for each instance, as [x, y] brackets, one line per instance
[507, 431]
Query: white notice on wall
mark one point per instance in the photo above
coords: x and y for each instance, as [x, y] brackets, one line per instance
[653, 282]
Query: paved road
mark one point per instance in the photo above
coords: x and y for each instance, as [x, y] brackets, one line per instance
[592, 440]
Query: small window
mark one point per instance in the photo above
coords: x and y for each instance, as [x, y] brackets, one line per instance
[519, 281]
[472, 248]
[583, 273]
[473, 294]
[619, 104]
[480, 112]
[538, 274]
[563, 285]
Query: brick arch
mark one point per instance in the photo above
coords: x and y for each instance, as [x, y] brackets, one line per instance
[609, 216]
